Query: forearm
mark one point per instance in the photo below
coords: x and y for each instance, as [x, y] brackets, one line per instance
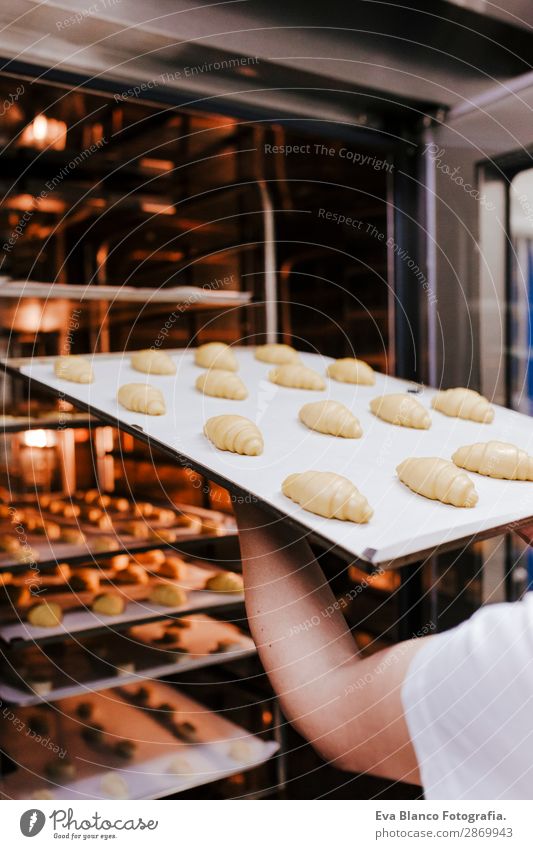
[346, 707]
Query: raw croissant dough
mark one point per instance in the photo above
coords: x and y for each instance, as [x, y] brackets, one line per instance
[152, 361]
[142, 398]
[331, 417]
[496, 460]
[216, 355]
[438, 479]
[222, 384]
[401, 409]
[350, 370]
[278, 355]
[75, 369]
[327, 494]
[234, 433]
[463, 404]
[296, 376]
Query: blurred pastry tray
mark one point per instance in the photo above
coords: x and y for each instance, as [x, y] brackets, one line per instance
[138, 608]
[405, 527]
[151, 772]
[146, 659]
[52, 551]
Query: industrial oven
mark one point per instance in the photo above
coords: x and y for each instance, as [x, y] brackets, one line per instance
[161, 187]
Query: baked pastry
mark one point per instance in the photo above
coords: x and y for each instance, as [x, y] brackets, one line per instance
[26, 554]
[327, 494]
[463, 403]
[401, 409]
[120, 561]
[277, 354]
[173, 567]
[143, 508]
[297, 376]
[495, 460]
[101, 543]
[85, 579]
[234, 433]
[163, 534]
[225, 582]
[45, 614]
[152, 361]
[439, 480]
[9, 543]
[216, 355]
[114, 785]
[132, 574]
[164, 515]
[75, 369]
[70, 511]
[121, 505]
[179, 766]
[5, 578]
[155, 557]
[137, 529]
[142, 398]
[331, 417]
[219, 383]
[63, 571]
[351, 370]
[168, 595]
[242, 751]
[109, 604]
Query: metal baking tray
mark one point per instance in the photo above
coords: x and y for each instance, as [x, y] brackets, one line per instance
[199, 639]
[80, 619]
[405, 526]
[148, 775]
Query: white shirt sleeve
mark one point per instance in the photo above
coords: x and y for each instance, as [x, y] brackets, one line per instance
[468, 701]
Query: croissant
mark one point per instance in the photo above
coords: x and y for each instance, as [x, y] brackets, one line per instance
[222, 384]
[327, 494]
[276, 354]
[350, 370]
[438, 479]
[331, 417]
[463, 404]
[496, 460]
[152, 361]
[234, 433]
[73, 368]
[401, 409]
[142, 398]
[296, 376]
[216, 355]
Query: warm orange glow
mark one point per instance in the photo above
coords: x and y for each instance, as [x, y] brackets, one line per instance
[158, 208]
[39, 438]
[44, 132]
[156, 164]
[266, 716]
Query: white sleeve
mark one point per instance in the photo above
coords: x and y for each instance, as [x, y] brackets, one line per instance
[468, 702]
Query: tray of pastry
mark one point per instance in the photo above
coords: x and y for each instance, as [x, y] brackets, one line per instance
[143, 741]
[161, 648]
[150, 586]
[47, 529]
[393, 524]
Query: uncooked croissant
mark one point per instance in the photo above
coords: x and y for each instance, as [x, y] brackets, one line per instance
[327, 494]
[222, 384]
[216, 355]
[276, 354]
[463, 404]
[350, 370]
[152, 361]
[142, 398]
[401, 409]
[73, 368]
[438, 479]
[496, 460]
[331, 417]
[296, 376]
[234, 433]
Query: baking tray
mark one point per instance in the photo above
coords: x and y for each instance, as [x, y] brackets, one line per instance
[201, 636]
[82, 621]
[147, 776]
[404, 527]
